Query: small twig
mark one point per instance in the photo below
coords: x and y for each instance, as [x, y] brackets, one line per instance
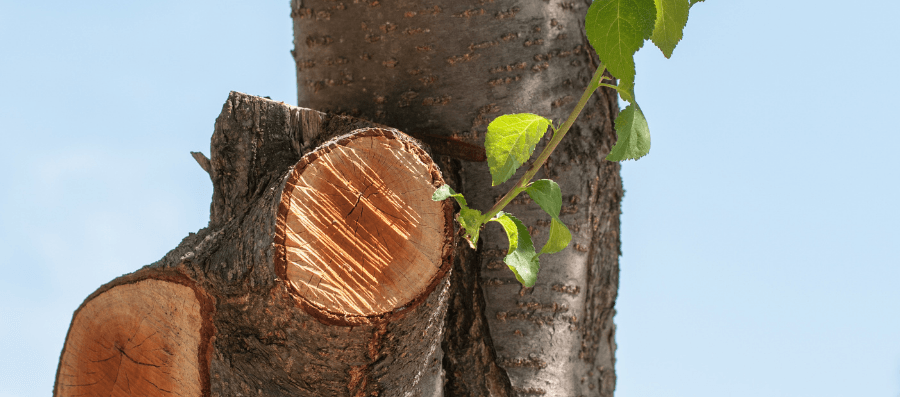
[203, 161]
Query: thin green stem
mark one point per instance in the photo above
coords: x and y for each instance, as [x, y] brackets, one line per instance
[623, 92]
[520, 186]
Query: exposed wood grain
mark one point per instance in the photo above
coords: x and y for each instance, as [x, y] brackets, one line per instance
[361, 230]
[136, 339]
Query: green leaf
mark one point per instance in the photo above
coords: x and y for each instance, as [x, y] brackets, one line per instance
[471, 220]
[633, 135]
[695, 2]
[559, 237]
[442, 193]
[445, 192]
[617, 29]
[520, 257]
[546, 194]
[510, 141]
[671, 16]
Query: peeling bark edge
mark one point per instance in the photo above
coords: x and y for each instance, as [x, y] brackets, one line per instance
[207, 310]
[339, 319]
[241, 154]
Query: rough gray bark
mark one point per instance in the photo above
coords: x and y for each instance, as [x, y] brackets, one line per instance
[259, 337]
[440, 71]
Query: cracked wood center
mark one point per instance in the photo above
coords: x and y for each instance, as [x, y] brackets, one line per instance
[361, 233]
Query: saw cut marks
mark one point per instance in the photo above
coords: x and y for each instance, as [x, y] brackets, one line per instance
[139, 339]
[362, 235]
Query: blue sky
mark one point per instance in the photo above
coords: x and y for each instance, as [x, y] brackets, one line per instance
[760, 235]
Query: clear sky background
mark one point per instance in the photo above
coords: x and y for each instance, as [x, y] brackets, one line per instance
[760, 236]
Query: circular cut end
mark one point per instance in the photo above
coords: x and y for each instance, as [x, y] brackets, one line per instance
[361, 234]
[140, 339]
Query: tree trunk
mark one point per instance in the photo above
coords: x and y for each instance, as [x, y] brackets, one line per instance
[325, 271]
[320, 275]
[440, 71]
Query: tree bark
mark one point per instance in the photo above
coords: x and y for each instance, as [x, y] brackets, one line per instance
[324, 272]
[440, 71]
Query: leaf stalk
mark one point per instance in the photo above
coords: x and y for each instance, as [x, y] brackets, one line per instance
[626, 95]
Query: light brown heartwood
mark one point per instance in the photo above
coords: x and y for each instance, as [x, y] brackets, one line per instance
[359, 227]
[146, 336]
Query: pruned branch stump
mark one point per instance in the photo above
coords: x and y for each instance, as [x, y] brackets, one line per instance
[324, 271]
